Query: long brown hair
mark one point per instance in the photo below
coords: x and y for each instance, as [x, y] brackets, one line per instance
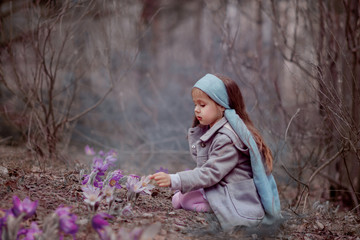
[236, 102]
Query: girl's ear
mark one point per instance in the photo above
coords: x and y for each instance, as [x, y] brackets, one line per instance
[222, 109]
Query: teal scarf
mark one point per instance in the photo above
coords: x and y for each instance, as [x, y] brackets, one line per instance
[265, 184]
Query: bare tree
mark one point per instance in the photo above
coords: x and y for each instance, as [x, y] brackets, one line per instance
[44, 71]
[323, 45]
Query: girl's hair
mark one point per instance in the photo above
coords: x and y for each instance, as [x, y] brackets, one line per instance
[236, 102]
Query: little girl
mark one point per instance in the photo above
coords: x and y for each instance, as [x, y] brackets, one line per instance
[233, 173]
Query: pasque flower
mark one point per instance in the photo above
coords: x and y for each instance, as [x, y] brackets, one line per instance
[86, 178]
[145, 183]
[134, 176]
[94, 178]
[31, 233]
[26, 206]
[89, 151]
[103, 162]
[134, 188]
[100, 165]
[114, 179]
[161, 169]
[91, 194]
[112, 153]
[108, 192]
[98, 221]
[67, 220]
[110, 159]
[101, 226]
[134, 185]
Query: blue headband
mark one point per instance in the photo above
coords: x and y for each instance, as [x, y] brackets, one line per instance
[214, 88]
[265, 184]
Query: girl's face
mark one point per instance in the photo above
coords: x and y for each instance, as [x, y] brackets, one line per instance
[206, 110]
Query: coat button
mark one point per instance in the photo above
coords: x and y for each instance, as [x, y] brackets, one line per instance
[203, 144]
[193, 146]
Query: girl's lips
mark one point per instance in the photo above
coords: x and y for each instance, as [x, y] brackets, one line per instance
[199, 118]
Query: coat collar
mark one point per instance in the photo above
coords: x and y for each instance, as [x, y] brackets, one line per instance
[219, 124]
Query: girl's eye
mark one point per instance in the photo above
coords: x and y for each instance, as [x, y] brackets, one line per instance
[199, 105]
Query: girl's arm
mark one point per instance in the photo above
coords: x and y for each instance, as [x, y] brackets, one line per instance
[222, 158]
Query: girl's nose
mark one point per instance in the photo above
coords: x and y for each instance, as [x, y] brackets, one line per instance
[197, 109]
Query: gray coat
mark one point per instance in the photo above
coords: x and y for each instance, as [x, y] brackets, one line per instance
[224, 171]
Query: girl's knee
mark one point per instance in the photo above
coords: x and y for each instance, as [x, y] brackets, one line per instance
[192, 197]
[195, 201]
[202, 207]
[176, 200]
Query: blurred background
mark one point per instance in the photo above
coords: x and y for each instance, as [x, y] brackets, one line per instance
[117, 74]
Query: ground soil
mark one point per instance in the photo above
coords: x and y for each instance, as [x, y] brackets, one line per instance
[54, 187]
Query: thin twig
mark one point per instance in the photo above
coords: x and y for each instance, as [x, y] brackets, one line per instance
[318, 170]
[288, 126]
[325, 164]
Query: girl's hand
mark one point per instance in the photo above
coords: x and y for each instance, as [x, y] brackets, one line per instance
[162, 179]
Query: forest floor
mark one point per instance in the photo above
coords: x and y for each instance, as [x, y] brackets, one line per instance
[55, 187]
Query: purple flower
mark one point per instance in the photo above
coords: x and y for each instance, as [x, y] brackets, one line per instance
[67, 220]
[112, 153]
[67, 224]
[108, 192]
[26, 206]
[31, 233]
[89, 151]
[101, 153]
[91, 194]
[134, 176]
[101, 226]
[145, 183]
[98, 221]
[134, 185]
[98, 184]
[61, 211]
[100, 165]
[114, 181]
[161, 169]
[110, 159]
[86, 178]
[94, 178]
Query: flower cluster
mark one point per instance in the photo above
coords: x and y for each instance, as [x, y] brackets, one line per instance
[100, 165]
[63, 222]
[135, 186]
[99, 184]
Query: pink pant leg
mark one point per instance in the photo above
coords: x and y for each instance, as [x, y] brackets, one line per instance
[193, 201]
[176, 200]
